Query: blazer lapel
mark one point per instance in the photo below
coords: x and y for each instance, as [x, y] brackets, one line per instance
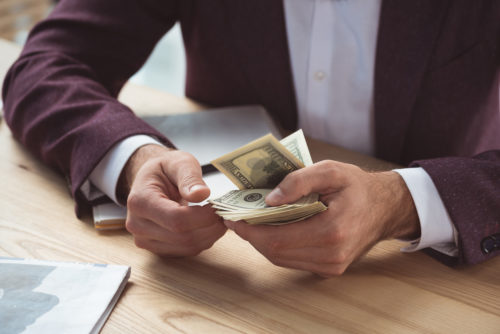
[406, 36]
[259, 29]
[408, 31]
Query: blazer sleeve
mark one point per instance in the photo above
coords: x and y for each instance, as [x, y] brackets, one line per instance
[60, 95]
[470, 190]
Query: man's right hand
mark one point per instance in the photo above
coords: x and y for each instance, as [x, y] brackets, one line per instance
[160, 182]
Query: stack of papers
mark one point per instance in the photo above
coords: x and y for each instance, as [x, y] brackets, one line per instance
[56, 297]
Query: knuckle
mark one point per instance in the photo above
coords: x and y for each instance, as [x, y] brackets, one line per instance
[335, 237]
[141, 243]
[277, 262]
[330, 167]
[186, 156]
[332, 272]
[339, 270]
[186, 239]
[297, 180]
[182, 159]
[210, 240]
[326, 164]
[241, 231]
[273, 250]
[135, 202]
[188, 179]
[339, 257]
[193, 251]
[177, 226]
[132, 226]
[208, 244]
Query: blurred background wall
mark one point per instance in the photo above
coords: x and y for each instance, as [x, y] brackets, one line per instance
[17, 16]
[164, 70]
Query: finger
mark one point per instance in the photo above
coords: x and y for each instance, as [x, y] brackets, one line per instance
[320, 261]
[185, 172]
[184, 244]
[202, 237]
[271, 238]
[188, 218]
[322, 177]
[171, 215]
[147, 229]
[142, 228]
[165, 249]
[207, 236]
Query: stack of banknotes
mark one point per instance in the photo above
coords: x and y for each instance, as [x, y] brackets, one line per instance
[256, 169]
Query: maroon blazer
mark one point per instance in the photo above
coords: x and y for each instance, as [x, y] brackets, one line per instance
[436, 87]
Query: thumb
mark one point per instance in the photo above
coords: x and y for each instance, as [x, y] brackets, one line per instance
[325, 176]
[187, 175]
[291, 189]
[284, 194]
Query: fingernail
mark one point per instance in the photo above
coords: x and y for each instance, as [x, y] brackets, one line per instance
[229, 224]
[196, 187]
[275, 196]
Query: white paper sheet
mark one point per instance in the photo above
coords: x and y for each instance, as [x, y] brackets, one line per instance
[57, 297]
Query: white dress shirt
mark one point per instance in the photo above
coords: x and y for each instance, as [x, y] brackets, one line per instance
[332, 46]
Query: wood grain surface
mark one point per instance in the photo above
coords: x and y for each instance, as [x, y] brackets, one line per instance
[231, 288]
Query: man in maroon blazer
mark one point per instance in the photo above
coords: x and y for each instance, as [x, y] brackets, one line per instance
[436, 105]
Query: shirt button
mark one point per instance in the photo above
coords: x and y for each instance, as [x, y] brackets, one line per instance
[319, 75]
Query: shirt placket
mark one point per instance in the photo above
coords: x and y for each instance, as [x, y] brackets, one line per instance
[318, 69]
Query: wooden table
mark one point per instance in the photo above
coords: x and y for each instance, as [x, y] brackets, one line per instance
[231, 288]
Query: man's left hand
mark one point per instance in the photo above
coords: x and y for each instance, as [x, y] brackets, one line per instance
[363, 209]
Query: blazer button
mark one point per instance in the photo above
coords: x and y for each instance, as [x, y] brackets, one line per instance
[490, 244]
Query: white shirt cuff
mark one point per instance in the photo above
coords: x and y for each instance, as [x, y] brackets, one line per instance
[105, 175]
[437, 229]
